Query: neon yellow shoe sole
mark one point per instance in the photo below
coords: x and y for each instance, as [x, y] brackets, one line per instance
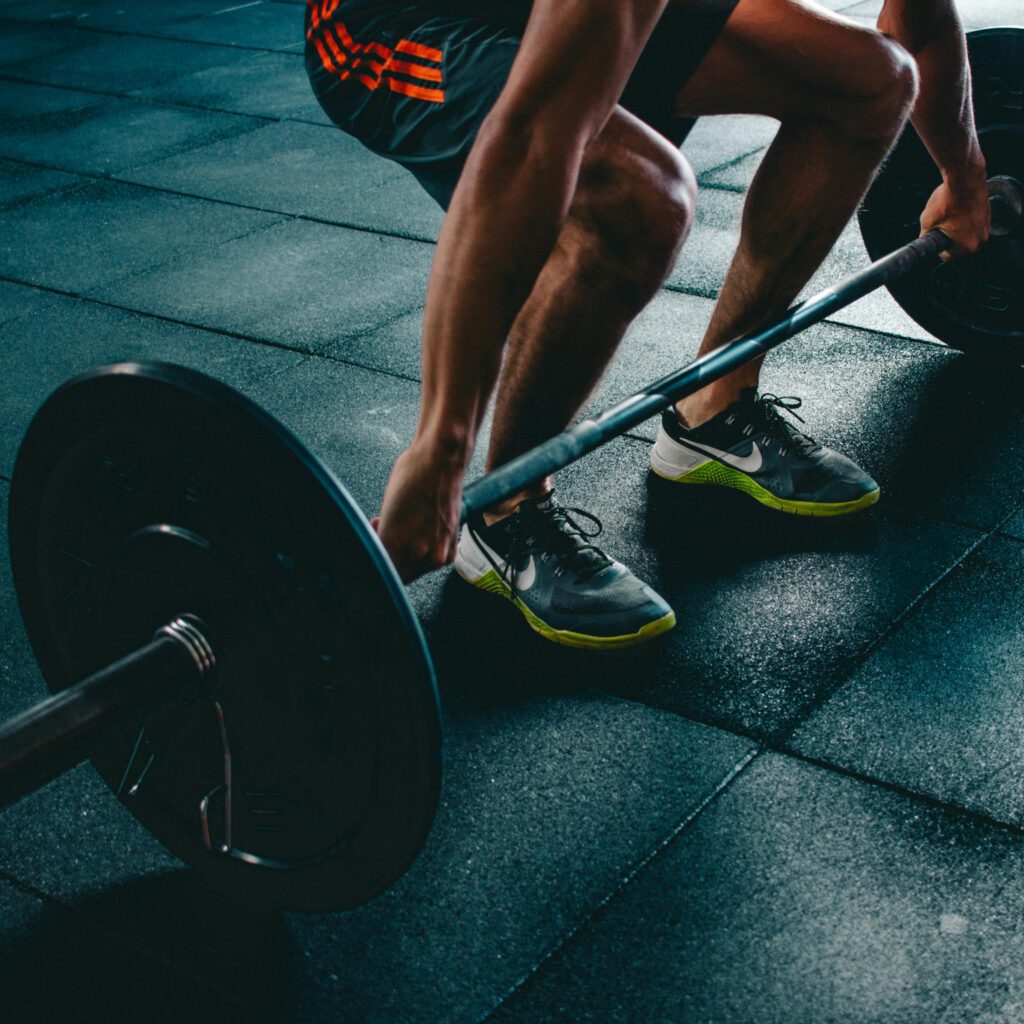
[718, 475]
[494, 584]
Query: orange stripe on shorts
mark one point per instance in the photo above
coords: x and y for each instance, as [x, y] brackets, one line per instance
[414, 70]
[372, 63]
[419, 50]
[417, 91]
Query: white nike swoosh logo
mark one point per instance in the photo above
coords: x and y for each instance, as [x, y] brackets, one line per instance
[744, 463]
[525, 578]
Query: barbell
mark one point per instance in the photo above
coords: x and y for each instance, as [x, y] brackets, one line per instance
[223, 633]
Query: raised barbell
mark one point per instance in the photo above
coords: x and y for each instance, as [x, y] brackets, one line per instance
[228, 641]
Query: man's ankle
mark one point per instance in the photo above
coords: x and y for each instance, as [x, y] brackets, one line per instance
[706, 404]
[511, 505]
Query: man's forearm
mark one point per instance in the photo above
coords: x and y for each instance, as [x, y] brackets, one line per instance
[503, 222]
[943, 116]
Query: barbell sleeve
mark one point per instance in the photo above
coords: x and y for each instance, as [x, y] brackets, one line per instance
[58, 732]
[585, 436]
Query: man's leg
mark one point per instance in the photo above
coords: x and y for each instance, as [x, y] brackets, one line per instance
[842, 94]
[632, 211]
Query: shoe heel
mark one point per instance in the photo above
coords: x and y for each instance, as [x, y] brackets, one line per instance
[673, 461]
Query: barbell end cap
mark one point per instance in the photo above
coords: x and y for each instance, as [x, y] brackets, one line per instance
[193, 635]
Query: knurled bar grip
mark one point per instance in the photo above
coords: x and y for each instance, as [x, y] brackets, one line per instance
[587, 435]
[39, 744]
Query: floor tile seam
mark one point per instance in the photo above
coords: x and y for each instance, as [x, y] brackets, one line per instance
[175, 967]
[57, 190]
[101, 30]
[151, 101]
[205, 328]
[173, 260]
[858, 660]
[726, 164]
[658, 850]
[784, 749]
[118, 179]
[907, 792]
[712, 294]
[712, 186]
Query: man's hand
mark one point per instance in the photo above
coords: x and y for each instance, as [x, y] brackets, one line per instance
[962, 211]
[419, 520]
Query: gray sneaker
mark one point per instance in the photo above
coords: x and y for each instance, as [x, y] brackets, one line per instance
[752, 448]
[568, 589]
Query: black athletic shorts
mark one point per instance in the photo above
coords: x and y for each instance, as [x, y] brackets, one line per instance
[413, 81]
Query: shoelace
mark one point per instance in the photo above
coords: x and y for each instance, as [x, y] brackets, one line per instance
[774, 425]
[562, 534]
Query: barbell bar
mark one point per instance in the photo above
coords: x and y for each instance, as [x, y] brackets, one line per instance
[254, 684]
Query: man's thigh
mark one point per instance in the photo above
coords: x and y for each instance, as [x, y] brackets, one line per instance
[785, 59]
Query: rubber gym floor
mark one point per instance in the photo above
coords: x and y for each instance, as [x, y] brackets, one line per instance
[804, 805]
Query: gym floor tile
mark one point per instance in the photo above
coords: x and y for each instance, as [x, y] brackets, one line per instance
[18, 911]
[104, 231]
[357, 421]
[548, 803]
[938, 708]
[260, 25]
[105, 138]
[533, 791]
[116, 64]
[20, 181]
[58, 967]
[300, 284]
[304, 169]
[18, 299]
[48, 12]
[393, 348]
[300, 169]
[398, 206]
[22, 40]
[119, 16]
[23, 101]
[718, 142]
[272, 85]
[735, 175]
[798, 897]
[706, 255]
[20, 682]
[66, 337]
[1015, 527]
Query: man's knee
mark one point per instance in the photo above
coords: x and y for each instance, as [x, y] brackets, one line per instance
[637, 204]
[890, 89]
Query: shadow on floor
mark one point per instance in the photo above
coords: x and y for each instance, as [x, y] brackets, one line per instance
[154, 950]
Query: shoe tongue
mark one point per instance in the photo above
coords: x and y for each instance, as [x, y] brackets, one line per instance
[587, 560]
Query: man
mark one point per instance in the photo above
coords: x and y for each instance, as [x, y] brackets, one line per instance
[549, 130]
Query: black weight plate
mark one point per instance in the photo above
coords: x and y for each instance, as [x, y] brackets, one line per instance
[975, 303]
[142, 492]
